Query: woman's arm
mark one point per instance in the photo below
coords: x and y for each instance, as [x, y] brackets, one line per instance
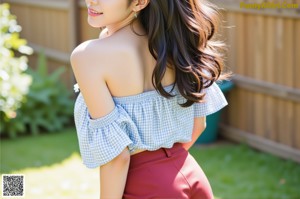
[113, 176]
[199, 126]
[90, 74]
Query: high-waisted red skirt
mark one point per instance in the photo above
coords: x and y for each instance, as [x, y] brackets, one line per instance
[166, 174]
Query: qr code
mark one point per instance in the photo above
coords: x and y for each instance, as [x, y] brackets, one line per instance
[13, 185]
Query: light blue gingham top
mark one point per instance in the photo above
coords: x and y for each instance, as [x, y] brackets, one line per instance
[143, 121]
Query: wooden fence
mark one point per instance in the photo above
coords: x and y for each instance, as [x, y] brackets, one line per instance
[264, 54]
[264, 49]
[55, 27]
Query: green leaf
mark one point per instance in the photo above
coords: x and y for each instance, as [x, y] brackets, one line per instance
[42, 65]
[54, 77]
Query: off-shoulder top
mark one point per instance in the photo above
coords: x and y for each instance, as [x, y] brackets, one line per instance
[146, 121]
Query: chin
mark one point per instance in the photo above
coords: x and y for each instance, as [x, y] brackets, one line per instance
[95, 24]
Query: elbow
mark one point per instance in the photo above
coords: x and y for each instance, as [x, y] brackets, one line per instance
[120, 162]
[123, 158]
[199, 126]
[204, 126]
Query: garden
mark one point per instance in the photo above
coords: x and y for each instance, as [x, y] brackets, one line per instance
[39, 141]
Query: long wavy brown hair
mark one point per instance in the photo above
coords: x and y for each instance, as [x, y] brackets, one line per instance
[180, 36]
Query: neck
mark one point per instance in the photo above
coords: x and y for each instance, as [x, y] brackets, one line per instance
[111, 29]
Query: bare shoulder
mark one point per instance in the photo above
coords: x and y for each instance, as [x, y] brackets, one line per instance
[94, 63]
[103, 63]
[82, 51]
[102, 55]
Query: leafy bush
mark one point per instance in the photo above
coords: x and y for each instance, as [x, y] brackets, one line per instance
[14, 83]
[44, 105]
[48, 106]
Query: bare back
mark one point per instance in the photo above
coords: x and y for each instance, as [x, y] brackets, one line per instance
[135, 76]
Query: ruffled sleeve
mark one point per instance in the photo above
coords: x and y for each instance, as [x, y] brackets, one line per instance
[214, 101]
[101, 140]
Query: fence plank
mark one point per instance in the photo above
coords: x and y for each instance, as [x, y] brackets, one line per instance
[272, 147]
[244, 109]
[233, 98]
[270, 123]
[249, 98]
[288, 54]
[73, 21]
[270, 128]
[285, 122]
[259, 114]
[250, 111]
[231, 39]
[249, 27]
[51, 53]
[258, 39]
[278, 71]
[297, 80]
[296, 54]
[290, 120]
[241, 43]
[297, 127]
[54, 4]
[269, 47]
[259, 73]
[279, 51]
[276, 90]
[284, 50]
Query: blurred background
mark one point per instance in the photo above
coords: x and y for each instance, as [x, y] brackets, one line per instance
[253, 153]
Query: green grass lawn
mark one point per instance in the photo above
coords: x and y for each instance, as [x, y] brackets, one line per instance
[239, 172]
[53, 169]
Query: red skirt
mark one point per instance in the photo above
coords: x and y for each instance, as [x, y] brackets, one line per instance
[166, 174]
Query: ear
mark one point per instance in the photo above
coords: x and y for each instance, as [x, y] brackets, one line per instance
[138, 5]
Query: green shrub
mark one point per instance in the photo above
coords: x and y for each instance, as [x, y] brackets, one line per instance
[32, 102]
[14, 83]
[48, 106]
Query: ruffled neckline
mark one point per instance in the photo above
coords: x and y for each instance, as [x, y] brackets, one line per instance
[140, 96]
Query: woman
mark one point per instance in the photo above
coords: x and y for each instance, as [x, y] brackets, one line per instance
[146, 86]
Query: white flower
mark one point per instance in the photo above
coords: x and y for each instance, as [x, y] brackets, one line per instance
[76, 88]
